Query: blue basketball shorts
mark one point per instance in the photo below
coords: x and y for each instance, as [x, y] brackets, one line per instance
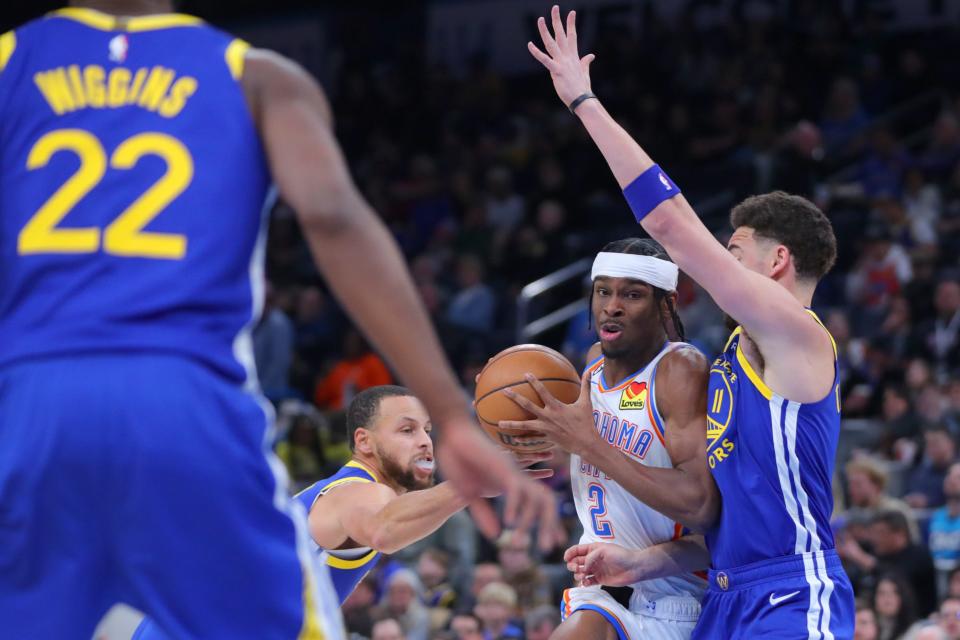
[797, 597]
[147, 479]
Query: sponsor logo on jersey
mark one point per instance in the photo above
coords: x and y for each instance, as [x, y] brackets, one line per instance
[634, 397]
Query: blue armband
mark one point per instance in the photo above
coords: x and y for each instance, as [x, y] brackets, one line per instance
[648, 190]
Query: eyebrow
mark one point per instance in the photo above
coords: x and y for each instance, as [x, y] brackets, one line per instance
[629, 281]
[426, 424]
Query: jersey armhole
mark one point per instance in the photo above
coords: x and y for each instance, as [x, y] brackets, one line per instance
[652, 406]
[8, 43]
[235, 57]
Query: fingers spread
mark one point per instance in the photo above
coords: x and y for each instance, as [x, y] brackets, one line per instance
[572, 30]
[558, 31]
[544, 393]
[548, 42]
[543, 58]
[523, 403]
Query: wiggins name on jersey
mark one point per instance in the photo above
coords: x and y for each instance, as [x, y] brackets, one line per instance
[133, 190]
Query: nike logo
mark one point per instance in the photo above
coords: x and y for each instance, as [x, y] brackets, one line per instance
[775, 601]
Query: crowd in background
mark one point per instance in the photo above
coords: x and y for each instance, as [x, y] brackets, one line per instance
[488, 183]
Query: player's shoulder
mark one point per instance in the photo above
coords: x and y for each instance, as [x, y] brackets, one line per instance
[267, 68]
[683, 359]
[682, 369]
[269, 76]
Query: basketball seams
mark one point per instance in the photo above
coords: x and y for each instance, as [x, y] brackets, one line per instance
[506, 353]
[514, 384]
[518, 382]
[501, 372]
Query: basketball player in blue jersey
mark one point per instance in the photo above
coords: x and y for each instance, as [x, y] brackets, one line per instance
[772, 403]
[136, 150]
[380, 501]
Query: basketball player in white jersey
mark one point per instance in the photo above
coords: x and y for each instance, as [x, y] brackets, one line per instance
[644, 396]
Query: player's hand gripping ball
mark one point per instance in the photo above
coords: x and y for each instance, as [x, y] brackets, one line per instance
[506, 370]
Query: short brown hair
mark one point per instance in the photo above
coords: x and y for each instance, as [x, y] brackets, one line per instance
[794, 222]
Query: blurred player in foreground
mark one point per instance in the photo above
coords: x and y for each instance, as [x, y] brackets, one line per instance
[643, 400]
[773, 402]
[380, 501]
[136, 150]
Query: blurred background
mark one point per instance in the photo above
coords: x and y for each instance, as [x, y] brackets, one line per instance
[499, 201]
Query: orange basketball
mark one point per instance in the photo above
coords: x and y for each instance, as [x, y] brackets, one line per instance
[507, 370]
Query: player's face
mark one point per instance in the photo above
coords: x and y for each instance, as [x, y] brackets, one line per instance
[627, 316]
[402, 442]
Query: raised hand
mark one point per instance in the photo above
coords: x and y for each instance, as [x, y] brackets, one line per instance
[601, 563]
[570, 73]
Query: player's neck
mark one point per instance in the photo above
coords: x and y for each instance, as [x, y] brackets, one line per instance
[126, 7]
[371, 464]
[615, 369]
[802, 290]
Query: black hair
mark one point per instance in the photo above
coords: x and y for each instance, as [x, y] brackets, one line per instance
[908, 601]
[365, 405]
[893, 520]
[652, 248]
[794, 222]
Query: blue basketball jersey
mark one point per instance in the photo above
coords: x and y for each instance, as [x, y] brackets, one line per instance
[347, 566]
[772, 460]
[133, 184]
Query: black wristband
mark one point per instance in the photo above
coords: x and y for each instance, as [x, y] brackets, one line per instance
[583, 97]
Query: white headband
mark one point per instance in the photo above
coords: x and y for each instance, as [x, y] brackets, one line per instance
[654, 271]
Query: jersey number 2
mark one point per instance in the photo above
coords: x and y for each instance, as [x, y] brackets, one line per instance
[125, 235]
[598, 508]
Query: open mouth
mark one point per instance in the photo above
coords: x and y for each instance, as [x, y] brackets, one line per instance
[425, 464]
[610, 331]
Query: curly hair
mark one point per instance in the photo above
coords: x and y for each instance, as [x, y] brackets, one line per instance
[794, 222]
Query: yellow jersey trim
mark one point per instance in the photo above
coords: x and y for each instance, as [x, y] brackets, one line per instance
[820, 322]
[234, 55]
[340, 563]
[337, 483]
[108, 22]
[733, 335]
[748, 369]
[359, 465]
[311, 629]
[8, 42]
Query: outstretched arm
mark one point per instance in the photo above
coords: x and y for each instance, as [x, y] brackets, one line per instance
[775, 320]
[373, 515]
[605, 563]
[364, 267]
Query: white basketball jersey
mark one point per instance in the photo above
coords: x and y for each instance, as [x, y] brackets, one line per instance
[626, 417]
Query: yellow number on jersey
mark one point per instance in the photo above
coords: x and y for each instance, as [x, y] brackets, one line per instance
[125, 235]
[40, 234]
